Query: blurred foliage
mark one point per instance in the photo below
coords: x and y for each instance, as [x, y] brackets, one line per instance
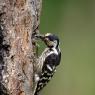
[74, 22]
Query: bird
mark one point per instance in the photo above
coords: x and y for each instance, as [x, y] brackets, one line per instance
[49, 60]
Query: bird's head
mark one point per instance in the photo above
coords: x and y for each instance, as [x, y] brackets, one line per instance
[50, 40]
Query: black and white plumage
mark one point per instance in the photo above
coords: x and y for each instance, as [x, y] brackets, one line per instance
[49, 60]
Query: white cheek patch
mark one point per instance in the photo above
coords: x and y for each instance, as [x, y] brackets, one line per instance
[55, 43]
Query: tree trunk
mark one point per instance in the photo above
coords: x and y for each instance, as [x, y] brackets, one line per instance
[19, 21]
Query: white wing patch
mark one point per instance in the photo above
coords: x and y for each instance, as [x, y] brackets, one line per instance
[45, 54]
[49, 68]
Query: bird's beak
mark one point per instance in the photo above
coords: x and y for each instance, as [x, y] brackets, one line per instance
[42, 37]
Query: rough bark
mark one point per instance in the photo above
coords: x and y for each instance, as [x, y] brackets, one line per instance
[19, 21]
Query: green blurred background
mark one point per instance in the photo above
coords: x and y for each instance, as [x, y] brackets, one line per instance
[74, 22]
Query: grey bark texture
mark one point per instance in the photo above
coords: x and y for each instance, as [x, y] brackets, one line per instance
[19, 21]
